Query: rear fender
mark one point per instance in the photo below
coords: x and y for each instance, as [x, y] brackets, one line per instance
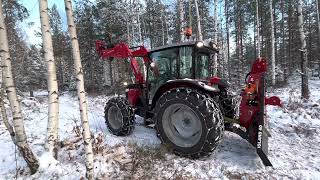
[218, 81]
[173, 84]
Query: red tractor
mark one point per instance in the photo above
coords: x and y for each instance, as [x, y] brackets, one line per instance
[188, 107]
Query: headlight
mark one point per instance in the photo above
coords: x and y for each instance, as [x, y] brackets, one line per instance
[125, 83]
[153, 64]
[200, 44]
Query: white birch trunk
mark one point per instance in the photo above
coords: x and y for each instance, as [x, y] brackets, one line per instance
[53, 116]
[199, 32]
[228, 38]
[4, 115]
[133, 41]
[258, 29]
[141, 42]
[181, 19]
[81, 91]
[128, 31]
[115, 69]
[318, 21]
[162, 28]
[215, 38]
[304, 60]
[139, 28]
[284, 52]
[106, 73]
[8, 83]
[167, 32]
[273, 58]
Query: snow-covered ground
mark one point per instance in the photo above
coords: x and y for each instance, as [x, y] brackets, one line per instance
[293, 148]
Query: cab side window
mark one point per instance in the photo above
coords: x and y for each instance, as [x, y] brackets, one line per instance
[186, 62]
[202, 66]
[166, 63]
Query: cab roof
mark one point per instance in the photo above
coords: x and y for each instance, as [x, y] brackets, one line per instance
[207, 45]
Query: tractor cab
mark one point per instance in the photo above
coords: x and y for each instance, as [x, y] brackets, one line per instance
[188, 60]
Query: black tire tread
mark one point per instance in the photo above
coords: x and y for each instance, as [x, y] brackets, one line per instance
[209, 111]
[127, 113]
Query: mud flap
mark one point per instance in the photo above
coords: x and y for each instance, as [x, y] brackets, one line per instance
[263, 134]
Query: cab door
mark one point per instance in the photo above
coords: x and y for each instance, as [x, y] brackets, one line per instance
[202, 66]
[186, 62]
[166, 64]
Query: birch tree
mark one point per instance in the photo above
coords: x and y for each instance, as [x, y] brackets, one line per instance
[228, 37]
[303, 50]
[199, 32]
[4, 115]
[53, 116]
[181, 19]
[258, 29]
[20, 138]
[290, 32]
[273, 58]
[141, 41]
[107, 74]
[163, 27]
[284, 54]
[80, 89]
[318, 21]
[215, 38]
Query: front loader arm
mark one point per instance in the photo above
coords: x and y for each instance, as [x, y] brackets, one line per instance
[122, 51]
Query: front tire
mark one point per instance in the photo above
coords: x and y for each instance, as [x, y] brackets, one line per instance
[188, 122]
[119, 116]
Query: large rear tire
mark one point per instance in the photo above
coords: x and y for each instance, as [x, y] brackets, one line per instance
[188, 122]
[119, 116]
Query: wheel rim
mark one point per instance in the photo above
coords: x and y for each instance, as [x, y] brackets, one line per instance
[115, 117]
[182, 125]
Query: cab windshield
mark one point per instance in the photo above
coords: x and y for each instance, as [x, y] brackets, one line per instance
[191, 64]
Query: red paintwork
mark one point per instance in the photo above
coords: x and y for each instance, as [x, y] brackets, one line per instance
[248, 112]
[133, 96]
[273, 100]
[122, 50]
[259, 66]
[214, 80]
